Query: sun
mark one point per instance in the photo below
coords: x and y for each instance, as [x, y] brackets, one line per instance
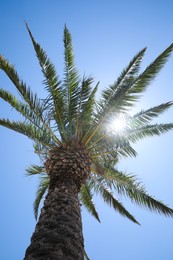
[117, 124]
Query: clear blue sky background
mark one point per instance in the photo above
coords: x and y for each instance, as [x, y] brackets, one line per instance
[106, 35]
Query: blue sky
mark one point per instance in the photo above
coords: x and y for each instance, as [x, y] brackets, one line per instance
[106, 35]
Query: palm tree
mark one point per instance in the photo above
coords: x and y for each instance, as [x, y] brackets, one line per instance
[79, 149]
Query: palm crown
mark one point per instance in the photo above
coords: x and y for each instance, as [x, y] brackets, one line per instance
[71, 116]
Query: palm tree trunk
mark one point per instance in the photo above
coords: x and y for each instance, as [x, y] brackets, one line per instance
[58, 234]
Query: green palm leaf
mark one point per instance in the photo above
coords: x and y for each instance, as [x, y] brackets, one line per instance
[148, 130]
[87, 106]
[85, 93]
[145, 116]
[114, 96]
[109, 198]
[53, 86]
[86, 198]
[112, 144]
[41, 190]
[107, 104]
[86, 113]
[30, 98]
[130, 187]
[28, 130]
[140, 197]
[34, 169]
[150, 72]
[86, 256]
[22, 108]
[71, 82]
[41, 150]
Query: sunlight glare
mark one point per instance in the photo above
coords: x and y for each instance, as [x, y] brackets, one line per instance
[118, 124]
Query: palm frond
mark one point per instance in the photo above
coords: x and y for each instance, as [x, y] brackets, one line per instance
[145, 78]
[128, 186]
[114, 145]
[85, 92]
[148, 130]
[30, 98]
[87, 106]
[34, 169]
[28, 130]
[20, 107]
[114, 97]
[86, 197]
[109, 198]
[71, 81]
[141, 198]
[41, 150]
[53, 85]
[42, 188]
[86, 257]
[145, 116]
[25, 92]
[126, 151]
[86, 114]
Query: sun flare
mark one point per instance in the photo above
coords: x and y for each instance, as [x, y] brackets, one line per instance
[118, 124]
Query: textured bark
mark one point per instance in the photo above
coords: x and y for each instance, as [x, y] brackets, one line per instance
[58, 233]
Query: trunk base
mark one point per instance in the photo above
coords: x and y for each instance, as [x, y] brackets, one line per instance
[58, 234]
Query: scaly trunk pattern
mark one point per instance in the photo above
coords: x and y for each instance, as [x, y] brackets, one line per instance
[58, 234]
